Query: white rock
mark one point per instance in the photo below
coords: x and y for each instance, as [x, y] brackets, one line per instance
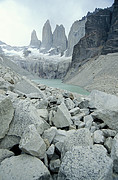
[98, 137]
[50, 134]
[62, 117]
[32, 143]
[4, 153]
[6, 115]
[50, 151]
[69, 103]
[88, 121]
[107, 108]
[86, 163]
[75, 111]
[25, 115]
[23, 167]
[81, 137]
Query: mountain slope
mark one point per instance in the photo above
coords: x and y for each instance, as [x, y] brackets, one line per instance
[100, 74]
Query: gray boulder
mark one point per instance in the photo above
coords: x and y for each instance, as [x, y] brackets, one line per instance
[34, 40]
[88, 121]
[25, 115]
[23, 167]
[86, 163]
[99, 137]
[62, 117]
[27, 87]
[9, 141]
[114, 153]
[50, 134]
[4, 153]
[46, 36]
[6, 115]
[69, 103]
[81, 137]
[32, 143]
[107, 108]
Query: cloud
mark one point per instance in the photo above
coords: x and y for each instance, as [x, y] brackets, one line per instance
[19, 17]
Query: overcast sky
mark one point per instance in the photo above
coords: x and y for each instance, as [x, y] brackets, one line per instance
[19, 17]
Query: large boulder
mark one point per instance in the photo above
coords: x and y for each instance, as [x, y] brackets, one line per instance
[107, 108]
[62, 117]
[86, 163]
[27, 87]
[81, 137]
[23, 167]
[32, 143]
[6, 115]
[25, 115]
[4, 153]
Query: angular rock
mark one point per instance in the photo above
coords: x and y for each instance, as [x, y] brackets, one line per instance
[108, 144]
[84, 163]
[74, 111]
[114, 153]
[6, 115]
[109, 132]
[9, 78]
[50, 134]
[23, 167]
[47, 36]
[88, 121]
[4, 153]
[69, 103]
[25, 115]
[9, 141]
[55, 165]
[32, 143]
[50, 151]
[107, 108]
[81, 137]
[34, 40]
[27, 87]
[43, 114]
[62, 117]
[98, 137]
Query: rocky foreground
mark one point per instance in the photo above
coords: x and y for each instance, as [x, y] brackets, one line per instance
[47, 133]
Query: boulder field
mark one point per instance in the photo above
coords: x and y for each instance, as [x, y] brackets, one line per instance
[52, 134]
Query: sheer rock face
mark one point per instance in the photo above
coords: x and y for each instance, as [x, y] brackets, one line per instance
[96, 32]
[59, 38]
[112, 40]
[47, 36]
[34, 40]
[77, 31]
[101, 36]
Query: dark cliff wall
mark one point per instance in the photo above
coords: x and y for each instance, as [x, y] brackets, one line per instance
[101, 36]
[96, 32]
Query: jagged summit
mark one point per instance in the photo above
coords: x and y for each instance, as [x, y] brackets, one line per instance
[59, 38]
[47, 36]
[34, 40]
